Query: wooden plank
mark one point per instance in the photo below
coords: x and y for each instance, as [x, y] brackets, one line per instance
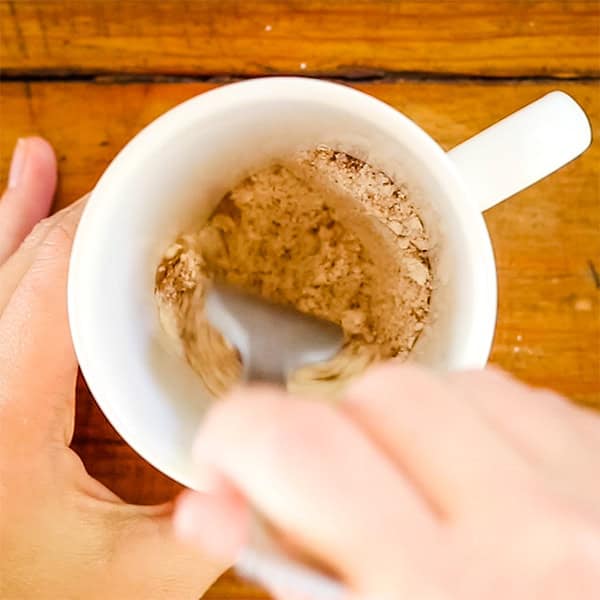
[549, 311]
[335, 37]
[544, 238]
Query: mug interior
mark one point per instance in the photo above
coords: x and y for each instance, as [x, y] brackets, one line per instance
[170, 178]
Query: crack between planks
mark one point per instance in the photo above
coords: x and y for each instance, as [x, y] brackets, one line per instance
[348, 76]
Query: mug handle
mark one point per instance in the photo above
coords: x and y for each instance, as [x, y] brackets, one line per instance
[522, 148]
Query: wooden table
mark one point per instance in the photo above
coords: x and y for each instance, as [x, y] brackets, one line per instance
[89, 74]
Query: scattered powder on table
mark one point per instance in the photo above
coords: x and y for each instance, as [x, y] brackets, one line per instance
[321, 231]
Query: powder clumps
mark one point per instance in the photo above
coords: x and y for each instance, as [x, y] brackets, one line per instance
[320, 231]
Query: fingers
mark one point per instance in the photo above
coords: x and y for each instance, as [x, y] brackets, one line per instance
[216, 524]
[544, 428]
[451, 453]
[37, 361]
[319, 479]
[28, 196]
[12, 271]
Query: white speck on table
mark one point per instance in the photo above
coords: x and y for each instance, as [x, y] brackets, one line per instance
[583, 305]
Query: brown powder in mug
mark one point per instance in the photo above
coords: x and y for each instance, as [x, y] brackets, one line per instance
[323, 232]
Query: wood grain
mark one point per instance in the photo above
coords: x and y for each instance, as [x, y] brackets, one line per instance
[335, 37]
[544, 238]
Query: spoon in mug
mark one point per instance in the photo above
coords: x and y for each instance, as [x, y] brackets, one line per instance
[274, 341]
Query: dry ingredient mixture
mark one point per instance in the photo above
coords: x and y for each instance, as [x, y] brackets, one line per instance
[321, 231]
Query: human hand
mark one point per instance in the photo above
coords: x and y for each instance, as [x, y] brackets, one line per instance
[63, 534]
[456, 487]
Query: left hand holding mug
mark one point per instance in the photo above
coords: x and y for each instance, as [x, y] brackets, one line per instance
[62, 533]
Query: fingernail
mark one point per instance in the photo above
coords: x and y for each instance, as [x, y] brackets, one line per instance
[193, 524]
[17, 164]
[216, 525]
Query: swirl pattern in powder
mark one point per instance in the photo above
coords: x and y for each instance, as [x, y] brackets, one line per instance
[320, 231]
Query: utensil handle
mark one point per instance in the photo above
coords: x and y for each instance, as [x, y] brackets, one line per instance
[265, 561]
[280, 573]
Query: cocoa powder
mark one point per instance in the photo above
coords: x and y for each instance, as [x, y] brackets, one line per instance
[320, 231]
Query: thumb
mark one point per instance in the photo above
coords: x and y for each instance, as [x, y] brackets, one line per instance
[35, 335]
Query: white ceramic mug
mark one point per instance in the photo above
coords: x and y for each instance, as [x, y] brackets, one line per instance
[174, 172]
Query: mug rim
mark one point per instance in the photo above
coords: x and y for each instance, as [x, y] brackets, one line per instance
[101, 202]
